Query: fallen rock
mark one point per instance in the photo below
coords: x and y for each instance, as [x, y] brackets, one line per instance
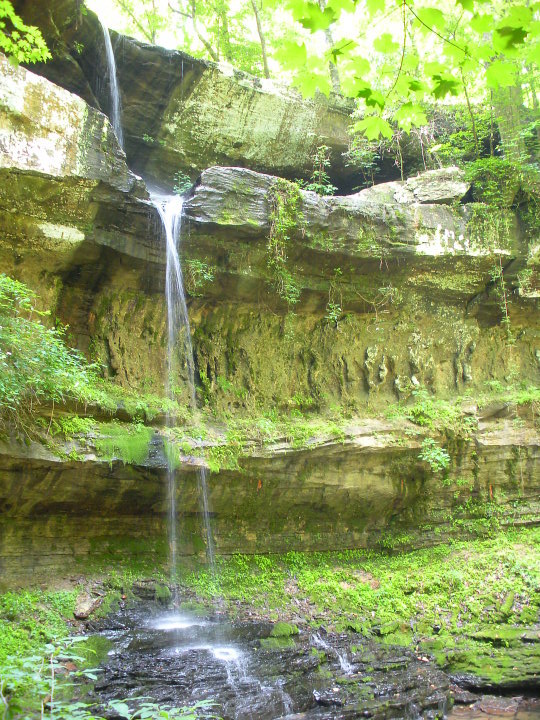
[85, 605]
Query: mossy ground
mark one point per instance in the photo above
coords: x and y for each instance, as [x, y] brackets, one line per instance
[473, 605]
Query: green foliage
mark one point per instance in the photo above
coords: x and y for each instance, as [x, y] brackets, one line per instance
[20, 42]
[182, 182]
[69, 426]
[494, 181]
[456, 147]
[35, 363]
[128, 443]
[197, 274]
[442, 415]
[320, 180]
[285, 217]
[437, 457]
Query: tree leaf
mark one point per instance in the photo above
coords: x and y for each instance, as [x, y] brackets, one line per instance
[432, 17]
[291, 54]
[372, 97]
[375, 6]
[444, 85]
[339, 6]
[481, 23]
[409, 115]
[500, 74]
[373, 127]
[507, 40]
[385, 44]
[310, 81]
[316, 19]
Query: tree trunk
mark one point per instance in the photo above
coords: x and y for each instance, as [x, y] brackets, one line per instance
[509, 113]
[261, 38]
[332, 67]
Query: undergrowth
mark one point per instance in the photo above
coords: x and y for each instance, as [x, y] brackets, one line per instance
[458, 586]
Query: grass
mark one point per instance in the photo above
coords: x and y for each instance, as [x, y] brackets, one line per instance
[31, 618]
[460, 585]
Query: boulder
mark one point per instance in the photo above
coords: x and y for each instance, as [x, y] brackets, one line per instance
[85, 605]
[395, 218]
[446, 185]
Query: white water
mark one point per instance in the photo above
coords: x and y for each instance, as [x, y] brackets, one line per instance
[344, 664]
[170, 209]
[116, 107]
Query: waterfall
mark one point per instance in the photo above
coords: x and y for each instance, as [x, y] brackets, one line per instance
[116, 107]
[170, 209]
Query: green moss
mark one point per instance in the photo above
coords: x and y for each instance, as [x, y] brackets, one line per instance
[128, 443]
[283, 629]
[163, 594]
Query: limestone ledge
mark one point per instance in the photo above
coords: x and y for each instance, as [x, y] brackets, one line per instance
[368, 490]
[423, 215]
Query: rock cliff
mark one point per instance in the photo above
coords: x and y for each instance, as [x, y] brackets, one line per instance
[298, 304]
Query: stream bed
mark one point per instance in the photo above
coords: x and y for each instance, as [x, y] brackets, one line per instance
[182, 658]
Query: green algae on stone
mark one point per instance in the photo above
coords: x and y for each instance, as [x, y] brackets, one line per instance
[283, 629]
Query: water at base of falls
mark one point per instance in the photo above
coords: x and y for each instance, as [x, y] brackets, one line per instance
[170, 208]
[180, 658]
[116, 107]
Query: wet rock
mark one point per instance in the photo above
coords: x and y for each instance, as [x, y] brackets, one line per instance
[461, 696]
[328, 698]
[219, 661]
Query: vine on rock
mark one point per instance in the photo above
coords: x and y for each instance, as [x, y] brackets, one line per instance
[285, 216]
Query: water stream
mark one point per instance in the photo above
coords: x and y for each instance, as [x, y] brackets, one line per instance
[179, 344]
[116, 106]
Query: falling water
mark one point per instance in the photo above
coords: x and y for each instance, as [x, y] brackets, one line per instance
[344, 664]
[170, 208]
[116, 107]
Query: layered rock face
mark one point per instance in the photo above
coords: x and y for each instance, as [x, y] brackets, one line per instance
[296, 302]
[367, 490]
[183, 115]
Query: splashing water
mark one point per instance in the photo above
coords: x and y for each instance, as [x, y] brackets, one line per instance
[170, 209]
[344, 664]
[116, 107]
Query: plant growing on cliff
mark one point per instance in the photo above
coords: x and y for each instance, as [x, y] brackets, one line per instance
[182, 182]
[319, 181]
[499, 284]
[20, 42]
[197, 274]
[35, 363]
[285, 216]
[436, 456]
